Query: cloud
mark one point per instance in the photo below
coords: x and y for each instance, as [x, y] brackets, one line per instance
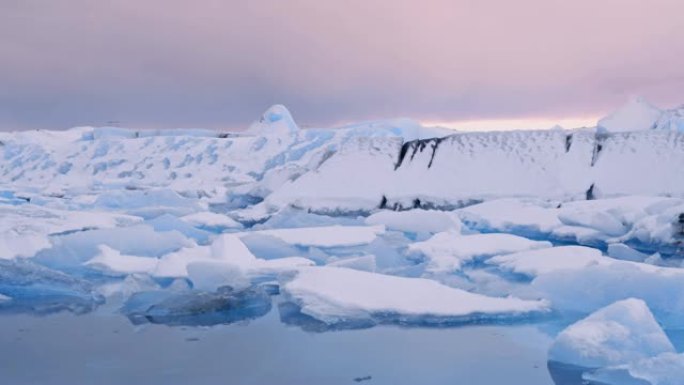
[217, 63]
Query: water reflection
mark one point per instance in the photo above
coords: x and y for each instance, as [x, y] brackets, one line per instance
[107, 349]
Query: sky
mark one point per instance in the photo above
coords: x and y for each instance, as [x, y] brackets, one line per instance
[221, 63]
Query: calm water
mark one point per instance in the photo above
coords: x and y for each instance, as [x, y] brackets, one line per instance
[102, 348]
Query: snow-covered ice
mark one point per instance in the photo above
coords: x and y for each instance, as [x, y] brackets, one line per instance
[448, 251]
[537, 262]
[324, 236]
[337, 295]
[416, 221]
[111, 261]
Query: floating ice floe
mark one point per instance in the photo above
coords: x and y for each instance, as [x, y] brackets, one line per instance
[620, 333]
[447, 251]
[346, 297]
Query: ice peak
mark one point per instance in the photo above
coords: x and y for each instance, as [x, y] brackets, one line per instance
[636, 115]
[276, 119]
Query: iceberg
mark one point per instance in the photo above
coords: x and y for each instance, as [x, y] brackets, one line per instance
[638, 114]
[622, 332]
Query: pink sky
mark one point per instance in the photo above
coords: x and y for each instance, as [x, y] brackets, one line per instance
[219, 64]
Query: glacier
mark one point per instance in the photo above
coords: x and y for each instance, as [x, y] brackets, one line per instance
[370, 224]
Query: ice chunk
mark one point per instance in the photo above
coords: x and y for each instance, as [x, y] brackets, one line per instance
[25, 229]
[447, 251]
[624, 252]
[619, 333]
[536, 262]
[73, 249]
[327, 236]
[229, 247]
[663, 369]
[213, 221]
[600, 221]
[167, 222]
[123, 289]
[14, 245]
[210, 275]
[351, 297]
[175, 264]
[609, 280]
[147, 203]
[512, 215]
[231, 261]
[293, 218]
[112, 262]
[364, 263]
[37, 289]
[416, 221]
[197, 308]
[614, 217]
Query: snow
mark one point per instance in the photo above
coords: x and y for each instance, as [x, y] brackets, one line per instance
[544, 261]
[337, 295]
[619, 333]
[112, 261]
[636, 115]
[416, 221]
[448, 251]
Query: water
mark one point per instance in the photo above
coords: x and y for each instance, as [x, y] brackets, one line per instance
[104, 348]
